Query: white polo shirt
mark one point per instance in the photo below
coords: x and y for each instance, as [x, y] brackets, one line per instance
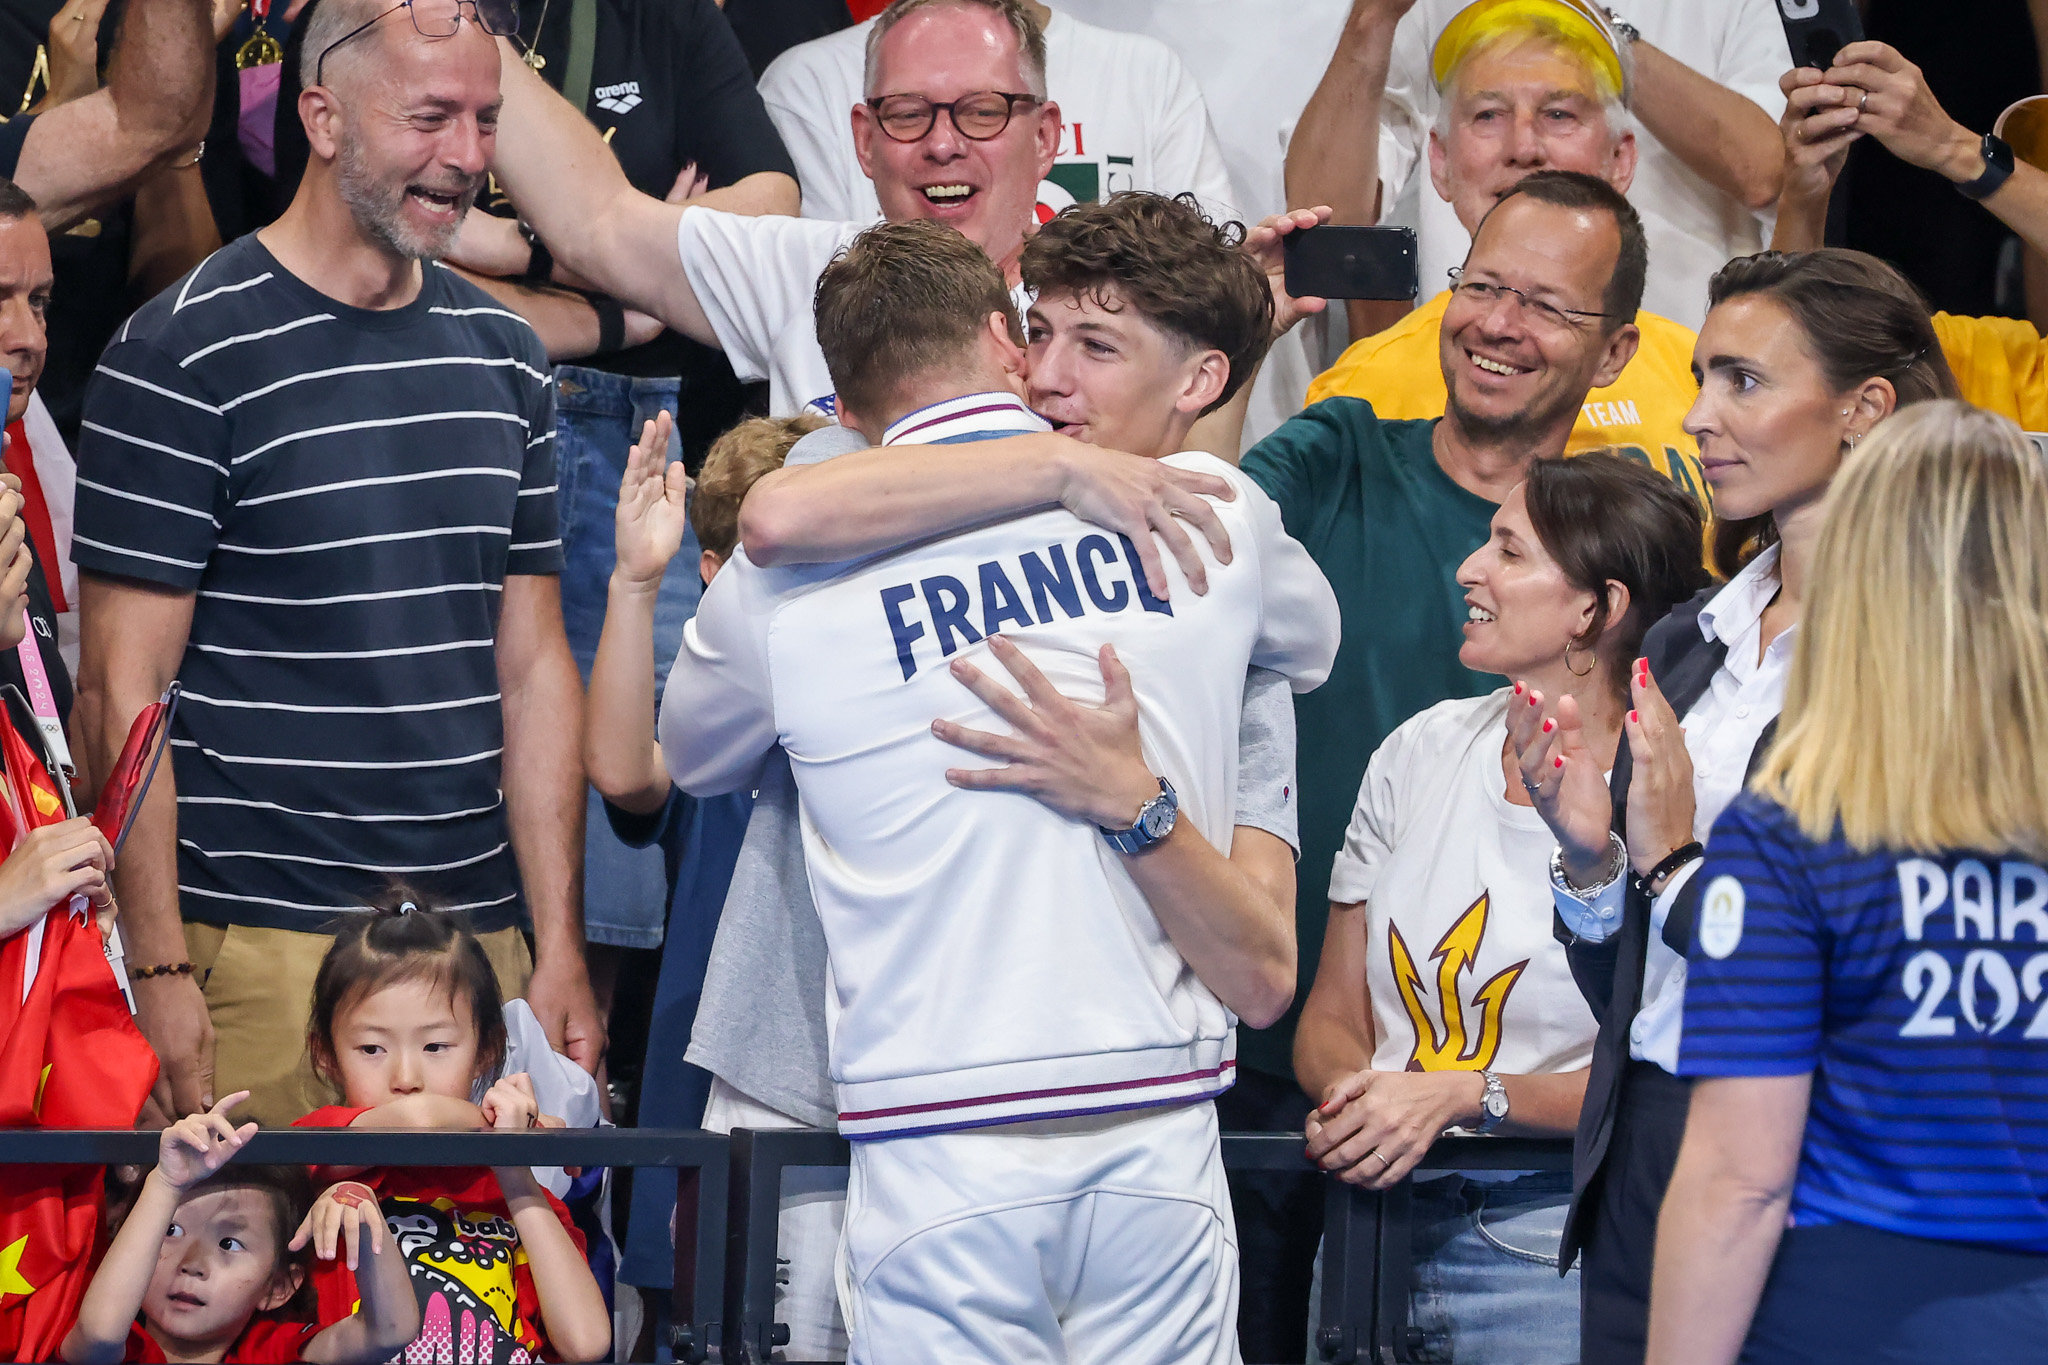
[757, 281]
[991, 959]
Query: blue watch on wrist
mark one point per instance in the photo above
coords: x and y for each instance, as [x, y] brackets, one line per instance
[1155, 821]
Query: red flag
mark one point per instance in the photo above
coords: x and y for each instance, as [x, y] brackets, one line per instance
[122, 795]
[70, 1057]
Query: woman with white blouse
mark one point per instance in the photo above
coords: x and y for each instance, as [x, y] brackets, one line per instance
[1800, 356]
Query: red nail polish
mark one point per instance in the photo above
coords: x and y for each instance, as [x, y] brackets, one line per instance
[1518, 689]
[1557, 763]
[1634, 719]
[1548, 726]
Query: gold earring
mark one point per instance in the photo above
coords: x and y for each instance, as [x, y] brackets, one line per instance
[1592, 661]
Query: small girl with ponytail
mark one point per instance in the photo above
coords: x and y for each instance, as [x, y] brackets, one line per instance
[408, 1026]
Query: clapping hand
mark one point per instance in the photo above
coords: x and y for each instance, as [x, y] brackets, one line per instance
[345, 1214]
[1660, 795]
[196, 1146]
[1563, 778]
[653, 509]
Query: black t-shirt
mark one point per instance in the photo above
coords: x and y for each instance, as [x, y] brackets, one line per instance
[669, 86]
[24, 32]
[89, 262]
[769, 28]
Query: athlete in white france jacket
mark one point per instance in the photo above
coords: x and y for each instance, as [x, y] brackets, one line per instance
[992, 960]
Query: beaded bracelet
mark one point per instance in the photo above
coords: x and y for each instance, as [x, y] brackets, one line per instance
[163, 969]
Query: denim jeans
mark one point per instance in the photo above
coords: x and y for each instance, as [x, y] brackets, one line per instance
[1486, 1288]
[597, 419]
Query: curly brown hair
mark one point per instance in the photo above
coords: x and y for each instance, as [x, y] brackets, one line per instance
[1165, 258]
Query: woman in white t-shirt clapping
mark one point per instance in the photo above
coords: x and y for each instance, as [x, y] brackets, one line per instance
[1443, 1000]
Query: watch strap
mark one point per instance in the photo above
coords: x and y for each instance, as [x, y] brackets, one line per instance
[611, 322]
[1997, 169]
[1488, 1119]
[540, 262]
[1136, 838]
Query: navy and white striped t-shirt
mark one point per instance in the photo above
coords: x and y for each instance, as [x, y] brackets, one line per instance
[345, 490]
[1915, 989]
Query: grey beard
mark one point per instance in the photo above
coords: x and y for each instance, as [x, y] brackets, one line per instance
[380, 211]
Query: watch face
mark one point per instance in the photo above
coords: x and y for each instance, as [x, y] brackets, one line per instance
[1157, 820]
[1496, 1103]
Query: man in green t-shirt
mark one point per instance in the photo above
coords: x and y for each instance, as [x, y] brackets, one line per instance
[1540, 314]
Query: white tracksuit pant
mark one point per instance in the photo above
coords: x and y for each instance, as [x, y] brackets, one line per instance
[1060, 1241]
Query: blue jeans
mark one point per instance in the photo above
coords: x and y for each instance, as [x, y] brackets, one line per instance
[597, 419]
[1486, 1288]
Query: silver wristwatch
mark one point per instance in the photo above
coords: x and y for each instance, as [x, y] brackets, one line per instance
[1493, 1104]
[1623, 29]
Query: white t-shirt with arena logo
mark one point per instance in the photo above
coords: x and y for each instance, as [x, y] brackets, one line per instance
[1134, 120]
[1461, 964]
[990, 959]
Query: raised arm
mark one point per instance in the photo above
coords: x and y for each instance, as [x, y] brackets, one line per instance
[543, 783]
[152, 109]
[132, 638]
[1887, 97]
[619, 749]
[556, 167]
[1721, 135]
[188, 1152]
[878, 499]
[1334, 155]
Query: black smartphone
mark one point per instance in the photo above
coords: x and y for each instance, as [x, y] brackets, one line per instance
[1818, 29]
[1337, 261]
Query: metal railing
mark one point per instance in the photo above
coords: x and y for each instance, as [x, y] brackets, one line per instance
[1367, 1260]
[699, 1160]
[729, 1195]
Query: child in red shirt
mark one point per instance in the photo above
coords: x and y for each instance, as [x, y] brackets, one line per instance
[204, 1250]
[407, 1023]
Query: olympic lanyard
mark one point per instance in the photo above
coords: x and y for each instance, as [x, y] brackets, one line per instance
[42, 702]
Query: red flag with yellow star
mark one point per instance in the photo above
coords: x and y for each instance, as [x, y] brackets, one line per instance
[70, 1057]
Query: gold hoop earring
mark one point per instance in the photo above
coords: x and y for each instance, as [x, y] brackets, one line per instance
[1592, 662]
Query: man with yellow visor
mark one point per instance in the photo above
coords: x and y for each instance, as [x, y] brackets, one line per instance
[1518, 86]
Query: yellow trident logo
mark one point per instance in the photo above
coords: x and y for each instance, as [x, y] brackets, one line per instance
[1454, 1048]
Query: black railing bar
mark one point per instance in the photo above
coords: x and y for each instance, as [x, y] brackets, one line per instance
[658, 1147]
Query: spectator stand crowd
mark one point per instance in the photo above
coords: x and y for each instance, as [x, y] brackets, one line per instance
[776, 563]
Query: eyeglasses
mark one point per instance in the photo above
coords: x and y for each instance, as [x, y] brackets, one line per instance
[437, 19]
[979, 116]
[1549, 315]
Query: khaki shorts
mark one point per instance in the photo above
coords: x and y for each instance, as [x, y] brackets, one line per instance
[258, 985]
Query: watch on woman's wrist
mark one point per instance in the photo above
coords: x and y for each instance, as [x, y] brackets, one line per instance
[1493, 1104]
[1997, 169]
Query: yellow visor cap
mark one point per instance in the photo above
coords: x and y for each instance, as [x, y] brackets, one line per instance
[1578, 27]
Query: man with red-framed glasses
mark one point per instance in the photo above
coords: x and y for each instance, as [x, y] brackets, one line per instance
[316, 486]
[956, 128]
